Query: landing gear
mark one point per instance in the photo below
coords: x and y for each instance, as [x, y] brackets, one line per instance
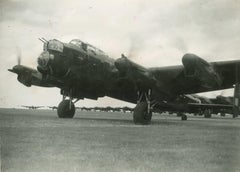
[142, 113]
[207, 114]
[184, 117]
[66, 109]
[236, 96]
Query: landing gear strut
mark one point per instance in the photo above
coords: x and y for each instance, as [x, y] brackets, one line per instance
[142, 113]
[182, 115]
[66, 108]
[236, 96]
[207, 113]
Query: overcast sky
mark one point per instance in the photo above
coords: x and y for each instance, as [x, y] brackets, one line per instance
[151, 32]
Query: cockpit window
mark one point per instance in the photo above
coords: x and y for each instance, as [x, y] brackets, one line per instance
[87, 47]
[76, 42]
[55, 45]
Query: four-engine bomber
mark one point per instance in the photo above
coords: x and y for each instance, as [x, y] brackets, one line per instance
[81, 70]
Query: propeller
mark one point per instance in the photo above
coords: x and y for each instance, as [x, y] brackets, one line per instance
[134, 47]
[16, 68]
[19, 57]
[131, 50]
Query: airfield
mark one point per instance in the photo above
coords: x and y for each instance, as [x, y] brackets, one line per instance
[36, 140]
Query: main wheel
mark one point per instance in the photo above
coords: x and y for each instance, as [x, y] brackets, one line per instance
[207, 114]
[184, 117]
[141, 115]
[65, 110]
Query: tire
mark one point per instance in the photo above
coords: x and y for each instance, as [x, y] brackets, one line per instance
[207, 114]
[64, 111]
[140, 114]
[184, 117]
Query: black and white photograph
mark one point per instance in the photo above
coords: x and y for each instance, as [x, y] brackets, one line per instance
[119, 86]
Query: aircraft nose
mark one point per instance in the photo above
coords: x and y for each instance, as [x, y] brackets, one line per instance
[44, 59]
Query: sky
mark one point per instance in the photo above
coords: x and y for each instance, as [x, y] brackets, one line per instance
[150, 32]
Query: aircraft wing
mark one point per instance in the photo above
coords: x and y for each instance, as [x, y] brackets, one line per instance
[200, 77]
[195, 76]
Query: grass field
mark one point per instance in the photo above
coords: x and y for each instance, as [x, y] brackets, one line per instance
[36, 140]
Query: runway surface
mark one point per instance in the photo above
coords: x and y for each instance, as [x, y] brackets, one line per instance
[36, 140]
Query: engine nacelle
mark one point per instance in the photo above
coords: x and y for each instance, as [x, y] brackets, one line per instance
[136, 73]
[25, 79]
[125, 65]
[28, 77]
[200, 69]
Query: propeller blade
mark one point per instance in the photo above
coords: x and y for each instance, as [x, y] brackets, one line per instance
[19, 57]
[19, 60]
[11, 70]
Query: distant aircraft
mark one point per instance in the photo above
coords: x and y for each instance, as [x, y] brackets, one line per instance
[200, 105]
[81, 70]
[52, 107]
[127, 109]
[32, 107]
[107, 109]
[227, 103]
[85, 108]
[223, 100]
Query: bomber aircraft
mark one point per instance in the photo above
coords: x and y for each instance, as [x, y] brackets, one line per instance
[52, 107]
[33, 107]
[200, 105]
[81, 70]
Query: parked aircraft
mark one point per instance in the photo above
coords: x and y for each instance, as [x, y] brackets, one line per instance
[84, 108]
[32, 107]
[127, 109]
[228, 100]
[200, 105]
[52, 107]
[81, 70]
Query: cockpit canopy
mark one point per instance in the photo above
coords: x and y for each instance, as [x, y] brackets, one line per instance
[76, 42]
[87, 47]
